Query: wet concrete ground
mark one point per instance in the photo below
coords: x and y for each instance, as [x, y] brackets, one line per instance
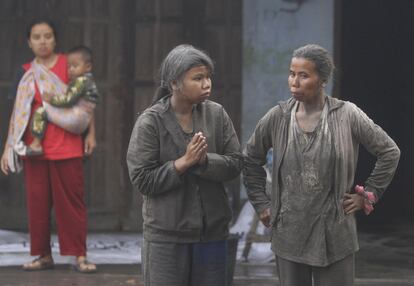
[64, 275]
[129, 275]
[386, 258]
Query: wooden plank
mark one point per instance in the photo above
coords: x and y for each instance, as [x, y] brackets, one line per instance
[74, 8]
[5, 111]
[6, 49]
[171, 8]
[73, 35]
[215, 10]
[171, 35]
[236, 8]
[8, 7]
[215, 40]
[142, 99]
[145, 10]
[144, 52]
[234, 54]
[98, 39]
[100, 9]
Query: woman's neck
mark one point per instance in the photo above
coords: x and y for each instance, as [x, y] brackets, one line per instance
[316, 105]
[49, 61]
[180, 106]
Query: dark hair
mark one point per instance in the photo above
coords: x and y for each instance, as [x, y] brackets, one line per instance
[178, 61]
[38, 21]
[86, 53]
[320, 57]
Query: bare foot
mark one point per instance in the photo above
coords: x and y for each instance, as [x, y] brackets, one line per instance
[24, 150]
[36, 146]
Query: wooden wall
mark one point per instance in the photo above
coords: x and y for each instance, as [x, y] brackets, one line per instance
[129, 39]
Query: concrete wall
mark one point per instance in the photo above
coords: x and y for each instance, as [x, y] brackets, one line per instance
[272, 29]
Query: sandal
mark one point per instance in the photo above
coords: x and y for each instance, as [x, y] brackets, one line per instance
[84, 266]
[40, 263]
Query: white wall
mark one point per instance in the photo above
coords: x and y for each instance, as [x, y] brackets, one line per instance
[272, 29]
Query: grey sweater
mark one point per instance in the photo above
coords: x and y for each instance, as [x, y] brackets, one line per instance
[194, 206]
[349, 127]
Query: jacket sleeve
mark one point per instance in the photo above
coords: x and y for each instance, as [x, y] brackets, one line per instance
[147, 174]
[254, 174]
[226, 166]
[379, 144]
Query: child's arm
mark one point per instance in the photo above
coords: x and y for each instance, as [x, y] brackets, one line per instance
[90, 139]
[72, 95]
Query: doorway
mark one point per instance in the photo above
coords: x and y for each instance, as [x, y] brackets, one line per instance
[375, 56]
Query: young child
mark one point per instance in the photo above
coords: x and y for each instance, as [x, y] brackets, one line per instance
[71, 111]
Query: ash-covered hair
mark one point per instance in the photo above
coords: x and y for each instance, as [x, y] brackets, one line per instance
[320, 57]
[178, 61]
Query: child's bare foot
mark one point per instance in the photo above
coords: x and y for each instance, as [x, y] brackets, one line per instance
[34, 152]
[35, 148]
[24, 150]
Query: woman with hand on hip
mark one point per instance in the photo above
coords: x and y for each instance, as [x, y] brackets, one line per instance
[315, 140]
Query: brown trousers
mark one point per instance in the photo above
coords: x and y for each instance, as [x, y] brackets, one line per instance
[340, 273]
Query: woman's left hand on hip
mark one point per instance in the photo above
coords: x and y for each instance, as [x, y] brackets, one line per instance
[352, 203]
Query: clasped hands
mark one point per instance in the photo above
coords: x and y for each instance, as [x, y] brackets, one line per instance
[196, 153]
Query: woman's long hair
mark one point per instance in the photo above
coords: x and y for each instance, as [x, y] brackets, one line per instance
[42, 20]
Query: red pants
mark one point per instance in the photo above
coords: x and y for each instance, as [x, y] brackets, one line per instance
[59, 184]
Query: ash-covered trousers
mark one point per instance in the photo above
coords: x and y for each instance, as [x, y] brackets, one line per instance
[184, 264]
[59, 184]
[340, 273]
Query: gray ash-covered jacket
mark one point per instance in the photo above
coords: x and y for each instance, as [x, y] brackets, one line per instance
[349, 127]
[194, 206]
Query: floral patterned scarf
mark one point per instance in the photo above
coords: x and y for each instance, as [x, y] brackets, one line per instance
[46, 81]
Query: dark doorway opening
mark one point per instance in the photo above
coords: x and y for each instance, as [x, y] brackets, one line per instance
[375, 58]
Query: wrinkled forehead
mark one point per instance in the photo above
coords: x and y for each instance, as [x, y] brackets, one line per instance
[302, 64]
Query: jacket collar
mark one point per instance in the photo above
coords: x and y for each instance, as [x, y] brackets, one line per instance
[287, 105]
[165, 112]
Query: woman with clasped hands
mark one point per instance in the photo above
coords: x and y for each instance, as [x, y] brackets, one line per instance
[181, 151]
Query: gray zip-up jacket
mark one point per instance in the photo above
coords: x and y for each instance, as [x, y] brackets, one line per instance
[194, 206]
[349, 127]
